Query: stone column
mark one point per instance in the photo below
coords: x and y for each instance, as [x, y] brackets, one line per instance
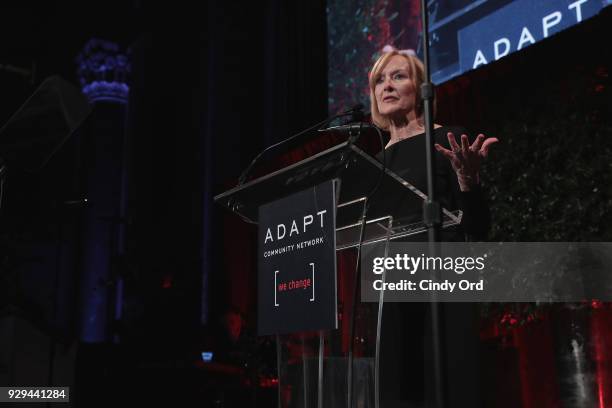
[103, 73]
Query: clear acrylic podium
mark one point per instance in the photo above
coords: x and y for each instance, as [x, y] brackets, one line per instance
[313, 366]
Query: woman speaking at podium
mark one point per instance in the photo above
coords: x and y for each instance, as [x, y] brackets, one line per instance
[405, 363]
[395, 97]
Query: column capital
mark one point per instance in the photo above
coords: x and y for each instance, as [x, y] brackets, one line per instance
[103, 71]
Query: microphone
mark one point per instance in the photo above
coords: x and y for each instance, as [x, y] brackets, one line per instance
[348, 128]
[358, 115]
[356, 111]
[355, 108]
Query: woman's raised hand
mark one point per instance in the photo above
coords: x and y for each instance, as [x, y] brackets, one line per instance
[466, 159]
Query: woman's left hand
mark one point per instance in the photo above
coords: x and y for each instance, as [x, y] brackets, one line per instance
[465, 159]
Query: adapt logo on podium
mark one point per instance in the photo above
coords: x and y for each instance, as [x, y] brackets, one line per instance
[296, 275]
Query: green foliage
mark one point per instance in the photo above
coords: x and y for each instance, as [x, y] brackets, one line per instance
[550, 179]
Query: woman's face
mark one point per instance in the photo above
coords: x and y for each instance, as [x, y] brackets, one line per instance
[394, 88]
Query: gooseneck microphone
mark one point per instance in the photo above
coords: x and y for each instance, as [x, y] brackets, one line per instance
[357, 115]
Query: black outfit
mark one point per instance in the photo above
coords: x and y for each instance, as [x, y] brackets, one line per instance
[406, 365]
[407, 159]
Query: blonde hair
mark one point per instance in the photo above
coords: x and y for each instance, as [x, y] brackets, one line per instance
[417, 74]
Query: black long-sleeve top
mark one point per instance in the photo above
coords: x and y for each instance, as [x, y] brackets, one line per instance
[407, 158]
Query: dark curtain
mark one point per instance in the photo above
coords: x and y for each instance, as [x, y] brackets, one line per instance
[267, 79]
[295, 67]
[164, 238]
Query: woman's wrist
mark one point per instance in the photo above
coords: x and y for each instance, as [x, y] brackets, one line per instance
[468, 182]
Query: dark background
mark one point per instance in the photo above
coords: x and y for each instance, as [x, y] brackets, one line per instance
[211, 86]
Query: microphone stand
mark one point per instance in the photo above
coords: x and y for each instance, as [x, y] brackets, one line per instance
[431, 211]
